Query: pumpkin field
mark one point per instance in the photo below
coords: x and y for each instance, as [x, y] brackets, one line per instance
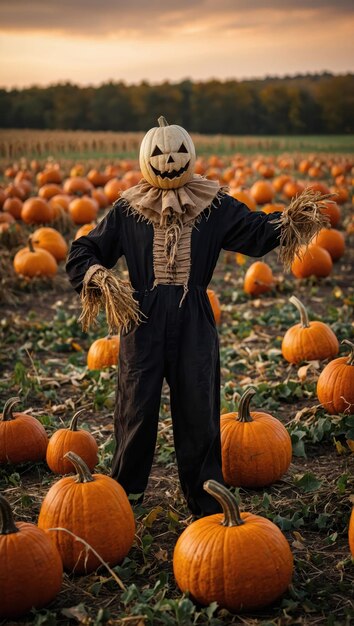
[51, 370]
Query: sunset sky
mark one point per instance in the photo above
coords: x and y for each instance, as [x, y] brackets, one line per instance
[87, 42]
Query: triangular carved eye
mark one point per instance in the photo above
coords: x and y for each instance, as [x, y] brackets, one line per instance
[156, 152]
[183, 148]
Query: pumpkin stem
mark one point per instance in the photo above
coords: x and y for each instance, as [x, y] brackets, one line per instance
[73, 423]
[83, 473]
[7, 524]
[7, 415]
[244, 414]
[30, 245]
[351, 353]
[162, 121]
[228, 502]
[303, 313]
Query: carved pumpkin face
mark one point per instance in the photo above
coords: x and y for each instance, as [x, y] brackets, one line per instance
[167, 156]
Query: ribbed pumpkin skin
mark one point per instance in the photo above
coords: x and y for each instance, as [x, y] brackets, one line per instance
[254, 454]
[103, 353]
[79, 441]
[37, 263]
[241, 568]
[331, 240]
[335, 387]
[169, 140]
[51, 240]
[98, 512]
[315, 261]
[258, 279]
[317, 342]
[351, 533]
[22, 439]
[31, 571]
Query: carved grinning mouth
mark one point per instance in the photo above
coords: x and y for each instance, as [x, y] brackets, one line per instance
[173, 174]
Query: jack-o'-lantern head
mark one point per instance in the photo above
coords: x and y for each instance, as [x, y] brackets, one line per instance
[167, 156]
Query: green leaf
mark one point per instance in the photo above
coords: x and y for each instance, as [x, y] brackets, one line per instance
[308, 482]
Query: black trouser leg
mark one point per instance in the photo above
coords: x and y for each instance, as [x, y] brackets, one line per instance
[136, 413]
[194, 379]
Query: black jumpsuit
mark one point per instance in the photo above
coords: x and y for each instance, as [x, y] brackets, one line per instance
[177, 341]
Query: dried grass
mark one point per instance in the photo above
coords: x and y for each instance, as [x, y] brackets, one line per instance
[299, 223]
[106, 291]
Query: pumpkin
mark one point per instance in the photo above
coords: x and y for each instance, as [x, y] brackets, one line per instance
[351, 533]
[31, 569]
[93, 507]
[240, 560]
[256, 447]
[308, 341]
[6, 218]
[258, 279]
[242, 195]
[83, 210]
[77, 185]
[49, 190]
[51, 240]
[262, 191]
[167, 156]
[292, 188]
[97, 178]
[272, 208]
[61, 200]
[22, 437]
[331, 240]
[32, 262]
[113, 189]
[84, 230]
[79, 441]
[36, 211]
[312, 261]
[332, 210]
[13, 206]
[100, 197]
[103, 352]
[215, 305]
[49, 175]
[335, 385]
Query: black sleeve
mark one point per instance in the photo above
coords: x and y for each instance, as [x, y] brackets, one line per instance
[102, 246]
[249, 232]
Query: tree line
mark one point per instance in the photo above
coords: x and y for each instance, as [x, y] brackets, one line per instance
[304, 104]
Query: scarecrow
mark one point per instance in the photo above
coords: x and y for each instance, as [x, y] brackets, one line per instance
[171, 227]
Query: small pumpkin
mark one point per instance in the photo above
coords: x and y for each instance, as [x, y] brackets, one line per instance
[77, 186]
[79, 441]
[83, 210]
[331, 240]
[332, 210]
[85, 229]
[51, 240]
[35, 210]
[93, 507]
[312, 261]
[167, 156]
[308, 341]
[262, 191]
[32, 262]
[335, 385]
[31, 570]
[215, 305]
[240, 560]
[351, 533]
[258, 279]
[13, 206]
[22, 437]
[256, 447]
[103, 352]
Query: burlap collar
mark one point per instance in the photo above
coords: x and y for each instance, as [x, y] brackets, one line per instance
[184, 203]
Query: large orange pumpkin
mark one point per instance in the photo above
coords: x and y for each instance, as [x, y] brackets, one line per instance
[256, 447]
[31, 569]
[51, 240]
[308, 341]
[22, 437]
[79, 441]
[335, 385]
[32, 262]
[36, 211]
[83, 210]
[93, 507]
[331, 240]
[239, 560]
[103, 352]
[312, 261]
[258, 279]
[262, 191]
[77, 186]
